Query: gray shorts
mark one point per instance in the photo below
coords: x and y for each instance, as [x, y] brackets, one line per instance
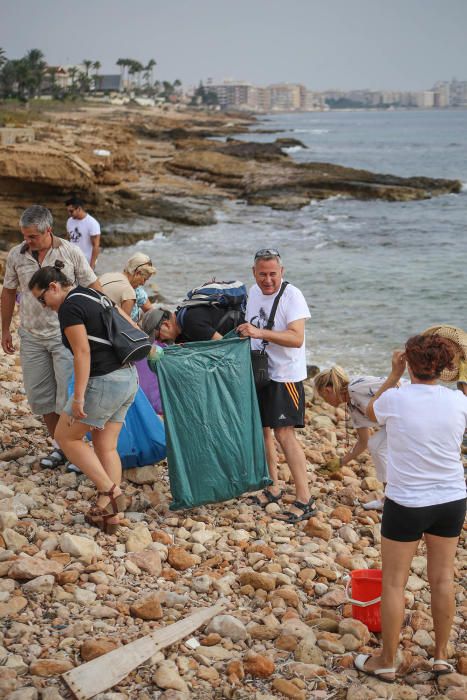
[47, 370]
[108, 397]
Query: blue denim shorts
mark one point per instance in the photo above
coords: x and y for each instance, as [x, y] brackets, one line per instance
[108, 397]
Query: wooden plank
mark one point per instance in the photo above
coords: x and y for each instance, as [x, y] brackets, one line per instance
[107, 670]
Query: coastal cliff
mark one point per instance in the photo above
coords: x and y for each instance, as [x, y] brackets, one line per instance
[176, 167]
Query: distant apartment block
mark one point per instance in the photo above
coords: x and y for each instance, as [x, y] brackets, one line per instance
[280, 97]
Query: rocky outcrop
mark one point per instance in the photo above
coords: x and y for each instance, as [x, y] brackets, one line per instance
[173, 168]
[292, 185]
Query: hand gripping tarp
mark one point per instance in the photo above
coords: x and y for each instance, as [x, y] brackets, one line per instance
[215, 447]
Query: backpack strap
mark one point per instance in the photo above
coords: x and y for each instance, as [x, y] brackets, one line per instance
[270, 324]
[103, 306]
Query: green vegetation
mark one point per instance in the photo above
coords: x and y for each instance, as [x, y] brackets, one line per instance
[30, 76]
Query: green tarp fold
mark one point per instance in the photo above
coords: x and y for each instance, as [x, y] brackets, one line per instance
[215, 447]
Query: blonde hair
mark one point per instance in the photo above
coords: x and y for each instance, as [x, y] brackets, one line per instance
[336, 377]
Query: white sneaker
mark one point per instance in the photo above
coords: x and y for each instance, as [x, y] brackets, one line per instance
[374, 505]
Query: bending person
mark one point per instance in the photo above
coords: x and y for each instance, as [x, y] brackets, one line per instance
[103, 391]
[336, 388]
[425, 493]
[126, 289]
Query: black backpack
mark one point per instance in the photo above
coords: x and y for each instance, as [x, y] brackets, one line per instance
[231, 296]
[128, 343]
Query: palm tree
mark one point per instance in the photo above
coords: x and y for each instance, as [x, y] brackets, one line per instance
[87, 65]
[96, 66]
[3, 58]
[149, 73]
[35, 66]
[136, 68]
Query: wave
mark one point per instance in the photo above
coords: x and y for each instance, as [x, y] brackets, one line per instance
[464, 187]
[293, 149]
[312, 131]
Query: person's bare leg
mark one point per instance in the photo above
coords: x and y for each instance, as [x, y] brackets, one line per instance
[296, 460]
[70, 438]
[396, 560]
[441, 552]
[51, 421]
[105, 446]
[271, 458]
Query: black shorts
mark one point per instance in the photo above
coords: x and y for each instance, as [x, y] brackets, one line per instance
[282, 404]
[408, 524]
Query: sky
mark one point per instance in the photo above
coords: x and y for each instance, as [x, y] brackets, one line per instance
[324, 44]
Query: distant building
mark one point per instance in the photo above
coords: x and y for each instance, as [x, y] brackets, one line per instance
[285, 97]
[108, 83]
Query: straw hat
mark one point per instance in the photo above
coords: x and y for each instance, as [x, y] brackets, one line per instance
[459, 338]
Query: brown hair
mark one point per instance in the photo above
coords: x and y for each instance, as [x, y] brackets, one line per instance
[428, 355]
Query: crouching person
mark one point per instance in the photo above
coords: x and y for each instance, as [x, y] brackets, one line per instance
[103, 391]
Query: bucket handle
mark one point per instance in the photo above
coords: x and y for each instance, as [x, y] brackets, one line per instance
[358, 603]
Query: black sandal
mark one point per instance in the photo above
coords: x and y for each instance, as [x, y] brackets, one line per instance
[56, 458]
[269, 496]
[291, 518]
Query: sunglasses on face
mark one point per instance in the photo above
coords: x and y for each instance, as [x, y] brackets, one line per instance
[266, 253]
[41, 298]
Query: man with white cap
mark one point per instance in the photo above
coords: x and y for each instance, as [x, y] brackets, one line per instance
[126, 288]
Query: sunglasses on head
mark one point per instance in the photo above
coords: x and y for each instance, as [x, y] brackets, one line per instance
[267, 253]
[145, 264]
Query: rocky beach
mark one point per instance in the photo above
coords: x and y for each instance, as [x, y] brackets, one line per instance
[69, 593]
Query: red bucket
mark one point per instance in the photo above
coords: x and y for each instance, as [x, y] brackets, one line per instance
[366, 585]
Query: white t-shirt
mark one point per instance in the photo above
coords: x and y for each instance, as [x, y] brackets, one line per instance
[285, 364]
[81, 231]
[425, 424]
[361, 390]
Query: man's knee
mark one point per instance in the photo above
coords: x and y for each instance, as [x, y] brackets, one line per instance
[285, 435]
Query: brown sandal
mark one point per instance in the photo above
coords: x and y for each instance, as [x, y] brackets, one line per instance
[99, 517]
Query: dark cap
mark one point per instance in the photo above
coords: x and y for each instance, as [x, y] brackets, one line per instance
[152, 320]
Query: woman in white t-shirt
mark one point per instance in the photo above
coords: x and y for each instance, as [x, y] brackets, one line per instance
[425, 493]
[336, 388]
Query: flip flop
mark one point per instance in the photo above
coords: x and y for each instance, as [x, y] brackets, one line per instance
[54, 459]
[360, 661]
[291, 518]
[270, 498]
[448, 668]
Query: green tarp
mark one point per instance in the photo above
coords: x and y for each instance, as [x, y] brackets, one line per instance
[215, 447]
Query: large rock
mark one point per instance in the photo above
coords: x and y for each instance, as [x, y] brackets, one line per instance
[80, 547]
[138, 539]
[41, 584]
[50, 667]
[259, 666]
[14, 540]
[181, 560]
[167, 676]
[149, 561]
[27, 568]
[143, 475]
[147, 608]
[13, 606]
[228, 626]
[267, 582]
[92, 648]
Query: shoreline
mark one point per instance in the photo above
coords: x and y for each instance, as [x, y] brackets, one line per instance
[129, 163]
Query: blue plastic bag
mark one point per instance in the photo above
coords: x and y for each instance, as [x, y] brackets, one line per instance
[142, 438]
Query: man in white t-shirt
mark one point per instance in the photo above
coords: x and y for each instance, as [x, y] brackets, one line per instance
[282, 401]
[83, 230]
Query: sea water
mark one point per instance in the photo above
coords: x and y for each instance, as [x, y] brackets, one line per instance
[373, 272]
